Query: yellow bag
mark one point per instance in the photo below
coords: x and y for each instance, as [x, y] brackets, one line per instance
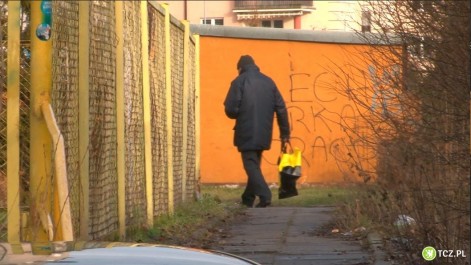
[292, 160]
[289, 166]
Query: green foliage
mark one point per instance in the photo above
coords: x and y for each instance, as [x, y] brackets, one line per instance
[199, 223]
[191, 224]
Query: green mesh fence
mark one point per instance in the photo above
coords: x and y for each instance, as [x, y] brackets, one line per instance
[103, 180]
[158, 107]
[177, 63]
[64, 95]
[133, 112]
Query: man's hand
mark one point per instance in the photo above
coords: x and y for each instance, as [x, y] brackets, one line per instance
[284, 142]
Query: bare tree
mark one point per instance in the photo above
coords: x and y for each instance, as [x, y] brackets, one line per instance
[418, 110]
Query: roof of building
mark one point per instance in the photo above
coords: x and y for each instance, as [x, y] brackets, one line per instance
[293, 35]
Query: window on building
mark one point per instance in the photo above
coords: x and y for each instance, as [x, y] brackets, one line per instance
[365, 21]
[340, 20]
[266, 23]
[278, 24]
[272, 24]
[212, 21]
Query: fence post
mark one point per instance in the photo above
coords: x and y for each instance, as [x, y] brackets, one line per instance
[197, 110]
[13, 126]
[186, 83]
[147, 113]
[40, 140]
[121, 147]
[168, 106]
[84, 110]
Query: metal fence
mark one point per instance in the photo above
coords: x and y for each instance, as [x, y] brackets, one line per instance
[176, 43]
[64, 96]
[3, 116]
[102, 122]
[24, 111]
[159, 110]
[134, 123]
[191, 174]
[99, 53]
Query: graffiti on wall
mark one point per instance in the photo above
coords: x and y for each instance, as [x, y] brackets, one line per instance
[329, 127]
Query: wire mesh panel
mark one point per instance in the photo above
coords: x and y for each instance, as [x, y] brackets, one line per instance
[134, 125]
[158, 117]
[24, 105]
[177, 62]
[64, 95]
[103, 180]
[191, 181]
[3, 120]
[3, 114]
[25, 88]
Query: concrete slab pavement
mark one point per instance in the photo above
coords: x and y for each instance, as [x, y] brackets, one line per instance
[287, 236]
[273, 236]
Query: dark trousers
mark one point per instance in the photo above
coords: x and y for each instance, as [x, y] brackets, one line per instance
[256, 184]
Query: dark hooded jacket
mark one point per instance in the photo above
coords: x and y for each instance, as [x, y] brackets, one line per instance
[252, 101]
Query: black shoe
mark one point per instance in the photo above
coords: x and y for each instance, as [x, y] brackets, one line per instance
[262, 204]
[247, 204]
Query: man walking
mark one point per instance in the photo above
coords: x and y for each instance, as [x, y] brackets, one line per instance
[252, 101]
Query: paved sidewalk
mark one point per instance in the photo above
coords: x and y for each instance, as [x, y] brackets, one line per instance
[287, 236]
[275, 236]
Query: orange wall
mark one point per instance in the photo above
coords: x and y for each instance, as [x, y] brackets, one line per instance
[301, 71]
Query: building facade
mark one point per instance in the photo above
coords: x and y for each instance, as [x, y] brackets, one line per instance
[302, 14]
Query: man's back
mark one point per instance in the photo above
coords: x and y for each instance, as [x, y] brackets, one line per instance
[253, 100]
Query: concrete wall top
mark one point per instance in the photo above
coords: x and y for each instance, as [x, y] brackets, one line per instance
[293, 35]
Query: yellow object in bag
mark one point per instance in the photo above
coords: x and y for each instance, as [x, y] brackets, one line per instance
[289, 167]
[290, 159]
